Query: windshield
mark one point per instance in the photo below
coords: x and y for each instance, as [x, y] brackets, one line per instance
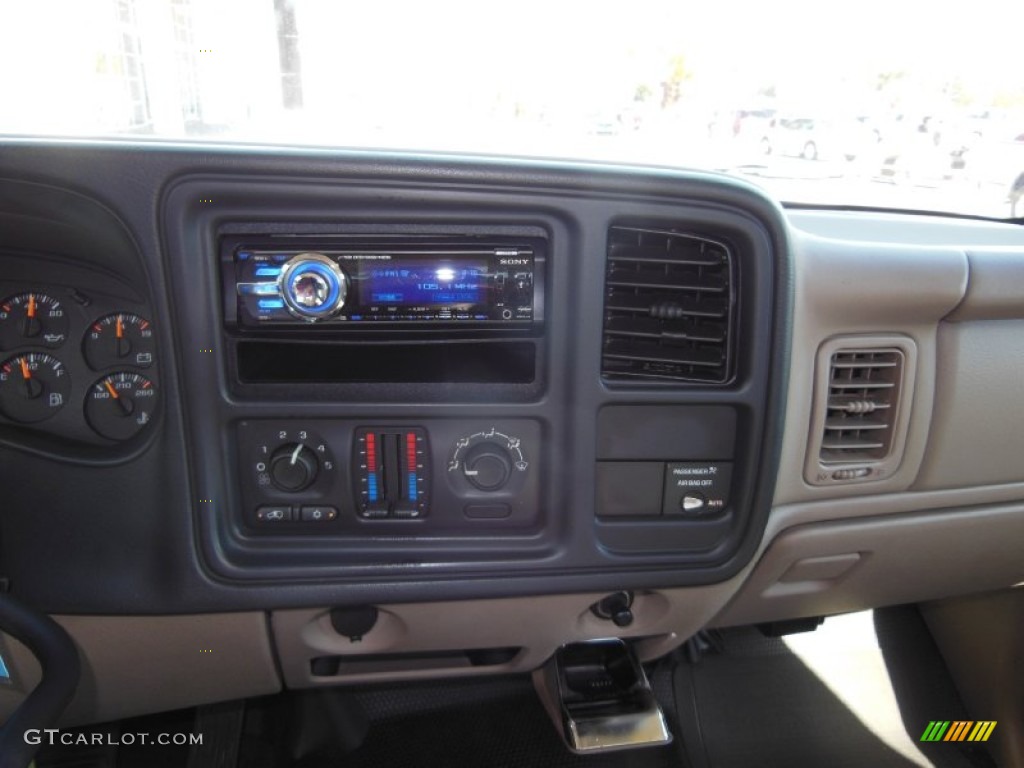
[908, 105]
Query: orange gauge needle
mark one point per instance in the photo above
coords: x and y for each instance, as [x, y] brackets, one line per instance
[120, 327]
[32, 305]
[110, 389]
[25, 372]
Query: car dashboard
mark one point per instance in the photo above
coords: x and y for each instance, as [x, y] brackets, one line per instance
[249, 394]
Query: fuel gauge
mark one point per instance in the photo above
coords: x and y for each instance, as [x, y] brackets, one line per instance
[118, 406]
[33, 387]
[32, 319]
[119, 339]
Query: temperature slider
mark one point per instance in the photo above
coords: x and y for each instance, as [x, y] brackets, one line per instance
[393, 472]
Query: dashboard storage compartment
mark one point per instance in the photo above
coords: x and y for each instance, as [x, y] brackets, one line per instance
[479, 362]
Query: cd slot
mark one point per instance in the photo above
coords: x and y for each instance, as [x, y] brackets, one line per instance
[427, 362]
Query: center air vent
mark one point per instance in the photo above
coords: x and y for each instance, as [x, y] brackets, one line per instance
[668, 307]
[861, 409]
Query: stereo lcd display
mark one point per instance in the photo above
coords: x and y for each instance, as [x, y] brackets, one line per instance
[426, 283]
[409, 283]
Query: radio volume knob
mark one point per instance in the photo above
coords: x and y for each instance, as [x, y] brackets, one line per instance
[293, 467]
[313, 286]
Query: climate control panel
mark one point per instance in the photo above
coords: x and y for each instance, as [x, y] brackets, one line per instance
[346, 477]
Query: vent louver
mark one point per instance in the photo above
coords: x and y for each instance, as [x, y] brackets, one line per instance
[863, 393]
[668, 307]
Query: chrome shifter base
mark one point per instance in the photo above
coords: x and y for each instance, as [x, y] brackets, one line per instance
[599, 698]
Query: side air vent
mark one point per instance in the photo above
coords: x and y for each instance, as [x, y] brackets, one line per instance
[863, 392]
[861, 410]
[669, 301]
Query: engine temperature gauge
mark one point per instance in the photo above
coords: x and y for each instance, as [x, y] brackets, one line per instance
[32, 319]
[33, 387]
[119, 339]
[118, 406]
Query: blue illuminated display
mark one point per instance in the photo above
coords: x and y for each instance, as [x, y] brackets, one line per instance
[423, 284]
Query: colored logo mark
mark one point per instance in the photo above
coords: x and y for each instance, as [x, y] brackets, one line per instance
[958, 730]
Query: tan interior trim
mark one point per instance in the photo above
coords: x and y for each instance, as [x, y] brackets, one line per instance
[996, 286]
[861, 289]
[135, 665]
[790, 515]
[850, 565]
[976, 436]
[537, 625]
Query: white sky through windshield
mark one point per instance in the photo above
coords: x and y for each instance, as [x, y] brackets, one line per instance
[823, 103]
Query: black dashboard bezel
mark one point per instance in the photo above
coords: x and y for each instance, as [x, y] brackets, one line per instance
[201, 567]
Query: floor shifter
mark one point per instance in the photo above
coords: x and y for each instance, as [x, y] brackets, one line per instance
[599, 698]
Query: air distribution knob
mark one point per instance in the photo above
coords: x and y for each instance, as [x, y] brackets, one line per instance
[293, 467]
[313, 286]
[487, 466]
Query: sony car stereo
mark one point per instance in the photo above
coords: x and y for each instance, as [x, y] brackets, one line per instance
[365, 281]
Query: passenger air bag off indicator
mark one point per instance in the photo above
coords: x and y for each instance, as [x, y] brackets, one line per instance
[697, 489]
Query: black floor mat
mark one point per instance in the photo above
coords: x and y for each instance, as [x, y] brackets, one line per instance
[756, 703]
[491, 724]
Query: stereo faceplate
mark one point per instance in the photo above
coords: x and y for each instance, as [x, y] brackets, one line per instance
[289, 282]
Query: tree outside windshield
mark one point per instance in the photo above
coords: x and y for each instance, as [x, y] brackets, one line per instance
[907, 105]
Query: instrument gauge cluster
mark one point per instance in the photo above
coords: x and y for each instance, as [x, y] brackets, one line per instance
[75, 363]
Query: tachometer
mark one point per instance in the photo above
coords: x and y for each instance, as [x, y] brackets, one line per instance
[32, 319]
[118, 406]
[33, 387]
